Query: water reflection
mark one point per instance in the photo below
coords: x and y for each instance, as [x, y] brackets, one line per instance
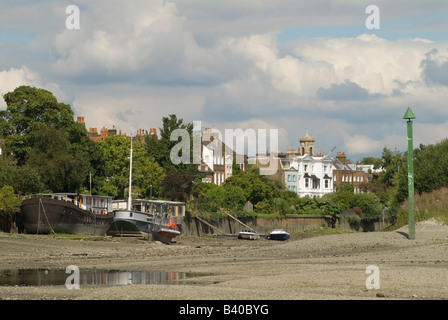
[47, 277]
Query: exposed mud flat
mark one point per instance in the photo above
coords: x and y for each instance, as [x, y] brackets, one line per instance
[325, 267]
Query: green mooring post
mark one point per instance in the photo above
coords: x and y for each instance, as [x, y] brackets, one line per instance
[409, 115]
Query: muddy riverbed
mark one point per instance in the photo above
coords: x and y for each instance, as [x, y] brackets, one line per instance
[330, 267]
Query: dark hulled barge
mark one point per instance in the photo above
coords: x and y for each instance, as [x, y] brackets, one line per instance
[70, 213]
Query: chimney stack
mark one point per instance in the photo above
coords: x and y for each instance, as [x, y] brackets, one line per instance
[341, 157]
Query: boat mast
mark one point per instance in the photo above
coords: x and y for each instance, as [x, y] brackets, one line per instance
[130, 177]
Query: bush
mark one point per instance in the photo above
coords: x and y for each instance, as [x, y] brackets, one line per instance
[369, 203]
[9, 203]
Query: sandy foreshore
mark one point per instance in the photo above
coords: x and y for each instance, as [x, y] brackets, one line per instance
[329, 267]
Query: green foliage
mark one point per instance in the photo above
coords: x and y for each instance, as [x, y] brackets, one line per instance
[8, 201]
[279, 206]
[28, 107]
[160, 149]
[60, 167]
[369, 203]
[115, 154]
[23, 179]
[431, 167]
[342, 197]
[177, 185]
[263, 206]
[377, 162]
[211, 197]
[430, 174]
[46, 148]
[254, 186]
[234, 198]
[392, 162]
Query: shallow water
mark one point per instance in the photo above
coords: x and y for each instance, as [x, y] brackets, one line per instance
[50, 277]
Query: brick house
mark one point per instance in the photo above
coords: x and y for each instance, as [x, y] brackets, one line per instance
[346, 171]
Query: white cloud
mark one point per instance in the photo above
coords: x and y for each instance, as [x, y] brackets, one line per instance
[133, 62]
[13, 78]
[142, 41]
[359, 144]
[141, 107]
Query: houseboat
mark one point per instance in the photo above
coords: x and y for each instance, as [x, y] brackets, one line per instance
[70, 213]
[144, 217]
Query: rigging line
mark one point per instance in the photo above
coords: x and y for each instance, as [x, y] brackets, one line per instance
[46, 217]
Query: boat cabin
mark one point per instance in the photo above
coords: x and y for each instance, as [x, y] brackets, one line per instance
[93, 203]
[160, 207]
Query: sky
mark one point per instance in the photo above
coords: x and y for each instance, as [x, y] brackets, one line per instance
[253, 65]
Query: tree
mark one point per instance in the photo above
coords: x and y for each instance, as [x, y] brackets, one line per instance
[391, 162]
[431, 167]
[279, 205]
[369, 203]
[23, 179]
[8, 201]
[60, 166]
[234, 198]
[177, 185]
[341, 197]
[377, 163]
[254, 187]
[115, 154]
[27, 107]
[211, 198]
[161, 149]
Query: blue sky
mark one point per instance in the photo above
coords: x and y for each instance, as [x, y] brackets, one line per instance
[281, 64]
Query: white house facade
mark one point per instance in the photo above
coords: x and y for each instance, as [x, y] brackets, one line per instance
[217, 158]
[308, 176]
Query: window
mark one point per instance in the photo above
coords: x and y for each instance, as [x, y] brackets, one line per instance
[326, 183]
[294, 178]
[305, 167]
[307, 183]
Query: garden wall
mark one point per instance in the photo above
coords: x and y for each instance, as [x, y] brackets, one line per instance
[227, 225]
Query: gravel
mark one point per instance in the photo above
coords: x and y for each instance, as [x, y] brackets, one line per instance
[329, 267]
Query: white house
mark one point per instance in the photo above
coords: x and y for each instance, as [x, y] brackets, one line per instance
[217, 158]
[307, 175]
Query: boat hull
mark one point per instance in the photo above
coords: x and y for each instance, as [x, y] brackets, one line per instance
[248, 236]
[128, 222]
[279, 235]
[134, 223]
[165, 235]
[44, 216]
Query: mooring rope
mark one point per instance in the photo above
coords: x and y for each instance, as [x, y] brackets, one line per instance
[46, 218]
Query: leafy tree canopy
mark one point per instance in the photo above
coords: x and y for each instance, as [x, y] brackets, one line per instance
[115, 153]
[161, 148]
[28, 107]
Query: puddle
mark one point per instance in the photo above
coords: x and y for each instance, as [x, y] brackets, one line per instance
[50, 277]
